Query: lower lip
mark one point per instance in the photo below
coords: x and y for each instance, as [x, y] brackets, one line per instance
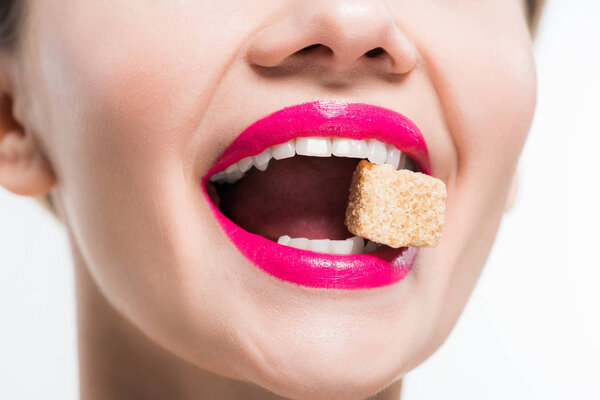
[318, 270]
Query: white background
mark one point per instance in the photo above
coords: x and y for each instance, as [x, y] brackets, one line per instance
[531, 330]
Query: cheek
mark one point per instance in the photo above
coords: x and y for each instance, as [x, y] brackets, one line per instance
[139, 82]
[132, 85]
[485, 77]
[489, 100]
[480, 62]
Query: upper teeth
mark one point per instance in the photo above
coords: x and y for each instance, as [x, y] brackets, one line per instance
[375, 151]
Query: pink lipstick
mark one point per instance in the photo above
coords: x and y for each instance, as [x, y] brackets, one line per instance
[322, 119]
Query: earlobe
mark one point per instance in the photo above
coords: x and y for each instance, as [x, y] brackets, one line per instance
[23, 167]
[512, 192]
[23, 170]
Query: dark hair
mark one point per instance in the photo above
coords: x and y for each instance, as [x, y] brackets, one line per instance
[11, 13]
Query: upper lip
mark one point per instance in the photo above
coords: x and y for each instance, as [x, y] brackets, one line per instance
[328, 119]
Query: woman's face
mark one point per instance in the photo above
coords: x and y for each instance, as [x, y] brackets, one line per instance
[134, 101]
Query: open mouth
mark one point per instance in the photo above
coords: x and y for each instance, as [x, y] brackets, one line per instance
[295, 193]
[279, 192]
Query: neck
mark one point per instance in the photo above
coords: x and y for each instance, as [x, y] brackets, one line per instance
[117, 361]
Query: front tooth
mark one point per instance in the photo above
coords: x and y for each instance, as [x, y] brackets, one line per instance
[377, 151]
[359, 148]
[313, 146]
[358, 244]
[340, 147]
[393, 157]
[284, 150]
[245, 164]
[261, 161]
[340, 247]
[319, 245]
[299, 243]
[349, 148]
[284, 240]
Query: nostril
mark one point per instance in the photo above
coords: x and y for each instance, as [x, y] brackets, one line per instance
[375, 52]
[315, 49]
[309, 48]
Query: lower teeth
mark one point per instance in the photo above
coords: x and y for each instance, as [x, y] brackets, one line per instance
[353, 245]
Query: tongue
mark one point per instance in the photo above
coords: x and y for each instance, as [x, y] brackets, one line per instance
[298, 196]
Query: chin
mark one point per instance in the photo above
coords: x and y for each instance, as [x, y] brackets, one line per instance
[317, 377]
[346, 359]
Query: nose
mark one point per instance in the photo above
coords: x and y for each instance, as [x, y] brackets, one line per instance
[340, 33]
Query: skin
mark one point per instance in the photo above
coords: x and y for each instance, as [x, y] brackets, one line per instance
[118, 108]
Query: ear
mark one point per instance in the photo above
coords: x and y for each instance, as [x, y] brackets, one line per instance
[512, 192]
[23, 167]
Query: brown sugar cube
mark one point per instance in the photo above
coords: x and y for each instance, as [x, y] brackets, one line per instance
[397, 208]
